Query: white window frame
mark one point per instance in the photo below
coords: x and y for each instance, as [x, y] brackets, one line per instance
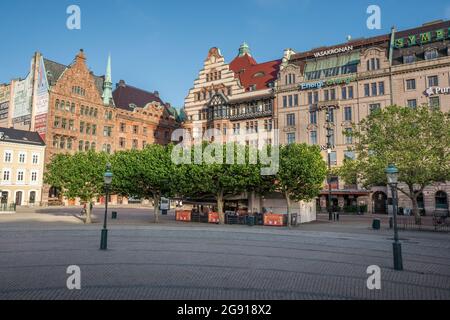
[5, 182]
[20, 182]
[32, 158]
[11, 157]
[31, 177]
[24, 154]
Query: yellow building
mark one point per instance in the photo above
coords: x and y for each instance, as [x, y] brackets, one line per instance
[21, 167]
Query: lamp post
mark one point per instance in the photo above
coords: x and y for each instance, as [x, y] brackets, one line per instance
[107, 179]
[392, 178]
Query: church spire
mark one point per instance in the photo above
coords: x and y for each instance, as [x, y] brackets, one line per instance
[244, 50]
[107, 85]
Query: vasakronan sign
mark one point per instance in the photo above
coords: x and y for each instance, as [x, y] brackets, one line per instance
[325, 53]
[434, 91]
[326, 83]
[422, 38]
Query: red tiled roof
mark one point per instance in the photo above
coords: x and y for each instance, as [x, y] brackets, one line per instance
[249, 72]
[124, 95]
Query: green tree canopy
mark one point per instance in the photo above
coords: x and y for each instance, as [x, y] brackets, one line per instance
[417, 141]
[78, 176]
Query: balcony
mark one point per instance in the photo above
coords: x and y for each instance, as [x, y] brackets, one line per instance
[252, 115]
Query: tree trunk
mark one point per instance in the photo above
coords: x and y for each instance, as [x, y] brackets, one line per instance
[416, 210]
[88, 213]
[220, 207]
[288, 202]
[157, 200]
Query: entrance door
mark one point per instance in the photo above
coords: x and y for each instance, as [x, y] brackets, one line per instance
[379, 203]
[19, 198]
[32, 197]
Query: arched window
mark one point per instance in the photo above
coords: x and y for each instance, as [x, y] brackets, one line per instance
[93, 146]
[86, 146]
[441, 200]
[67, 106]
[57, 104]
[61, 105]
[72, 108]
[32, 197]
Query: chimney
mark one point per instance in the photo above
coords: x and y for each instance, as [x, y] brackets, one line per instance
[121, 84]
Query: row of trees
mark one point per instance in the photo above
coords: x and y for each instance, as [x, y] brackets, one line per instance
[152, 173]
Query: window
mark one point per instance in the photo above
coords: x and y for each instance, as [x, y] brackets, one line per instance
[57, 122]
[6, 175]
[69, 143]
[144, 131]
[72, 108]
[122, 142]
[296, 100]
[80, 145]
[107, 131]
[313, 137]
[435, 102]
[374, 107]
[412, 103]
[344, 93]
[94, 129]
[82, 127]
[55, 142]
[333, 158]
[135, 129]
[291, 138]
[433, 81]
[86, 146]
[71, 125]
[348, 136]
[135, 144]
[21, 157]
[348, 113]
[268, 124]
[330, 115]
[350, 92]
[285, 102]
[20, 176]
[35, 159]
[93, 146]
[441, 200]
[349, 155]
[290, 120]
[374, 89]
[326, 95]
[313, 117]
[62, 143]
[144, 144]
[381, 88]
[88, 128]
[34, 176]
[409, 58]
[373, 64]
[411, 84]
[431, 54]
[57, 104]
[333, 94]
[367, 90]
[123, 127]
[332, 137]
[8, 156]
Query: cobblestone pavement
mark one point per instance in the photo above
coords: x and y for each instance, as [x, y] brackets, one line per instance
[190, 261]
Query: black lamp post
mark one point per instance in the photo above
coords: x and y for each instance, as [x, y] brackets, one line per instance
[107, 179]
[392, 177]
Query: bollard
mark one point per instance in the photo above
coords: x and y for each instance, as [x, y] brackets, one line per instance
[391, 222]
[376, 224]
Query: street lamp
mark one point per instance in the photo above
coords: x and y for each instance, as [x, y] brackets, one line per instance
[392, 178]
[107, 179]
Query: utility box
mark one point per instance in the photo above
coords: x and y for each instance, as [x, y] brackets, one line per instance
[376, 224]
[114, 215]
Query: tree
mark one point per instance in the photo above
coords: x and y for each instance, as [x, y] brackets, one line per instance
[417, 141]
[147, 174]
[301, 173]
[220, 176]
[78, 176]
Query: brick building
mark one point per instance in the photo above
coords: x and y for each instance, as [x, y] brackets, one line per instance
[74, 110]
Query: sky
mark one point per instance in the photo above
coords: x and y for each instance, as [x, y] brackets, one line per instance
[162, 44]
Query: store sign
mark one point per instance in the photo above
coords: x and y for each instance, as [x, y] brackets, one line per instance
[422, 38]
[434, 91]
[326, 83]
[333, 51]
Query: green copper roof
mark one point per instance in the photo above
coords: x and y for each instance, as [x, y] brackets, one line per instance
[107, 85]
[244, 49]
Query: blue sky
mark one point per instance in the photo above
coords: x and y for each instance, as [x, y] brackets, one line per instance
[161, 45]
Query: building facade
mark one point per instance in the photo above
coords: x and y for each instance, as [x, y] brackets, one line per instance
[238, 101]
[350, 81]
[74, 110]
[5, 96]
[22, 167]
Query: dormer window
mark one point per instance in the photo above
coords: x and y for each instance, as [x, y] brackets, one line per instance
[259, 74]
[252, 87]
[431, 54]
[132, 106]
[411, 58]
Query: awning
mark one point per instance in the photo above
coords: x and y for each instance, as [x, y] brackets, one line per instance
[333, 62]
